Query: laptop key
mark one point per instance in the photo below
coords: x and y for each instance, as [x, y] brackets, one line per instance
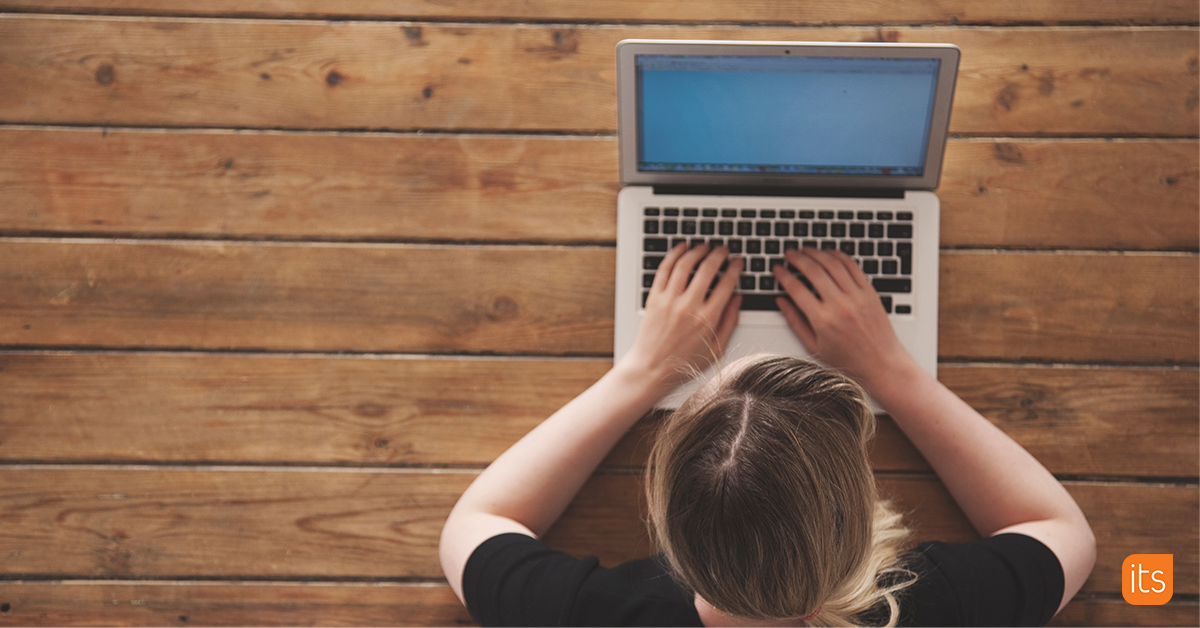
[650, 227]
[899, 231]
[904, 251]
[654, 245]
[759, 302]
[889, 284]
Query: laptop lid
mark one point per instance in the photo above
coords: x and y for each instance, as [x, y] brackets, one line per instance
[769, 117]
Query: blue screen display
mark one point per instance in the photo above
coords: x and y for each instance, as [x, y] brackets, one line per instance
[820, 115]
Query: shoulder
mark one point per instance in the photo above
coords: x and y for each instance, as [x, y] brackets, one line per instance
[1008, 579]
[514, 579]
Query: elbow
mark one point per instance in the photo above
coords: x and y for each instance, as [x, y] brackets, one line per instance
[1088, 539]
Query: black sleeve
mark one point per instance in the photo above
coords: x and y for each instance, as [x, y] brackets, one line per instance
[514, 580]
[1005, 580]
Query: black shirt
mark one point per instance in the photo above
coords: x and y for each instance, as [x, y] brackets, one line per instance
[513, 579]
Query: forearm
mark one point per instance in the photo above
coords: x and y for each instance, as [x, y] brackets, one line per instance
[534, 480]
[993, 479]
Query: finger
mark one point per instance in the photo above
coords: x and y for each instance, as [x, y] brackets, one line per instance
[807, 261]
[682, 271]
[850, 272]
[729, 321]
[796, 289]
[833, 262]
[724, 290]
[663, 274]
[798, 324]
[707, 271]
[856, 272]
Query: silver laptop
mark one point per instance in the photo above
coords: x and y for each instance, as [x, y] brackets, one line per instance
[766, 146]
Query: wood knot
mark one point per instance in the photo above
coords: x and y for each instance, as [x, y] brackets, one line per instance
[566, 42]
[105, 74]
[1046, 83]
[427, 93]
[1007, 96]
[1009, 153]
[334, 78]
[503, 309]
[413, 33]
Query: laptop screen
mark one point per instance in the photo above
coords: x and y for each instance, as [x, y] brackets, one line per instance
[784, 114]
[795, 114]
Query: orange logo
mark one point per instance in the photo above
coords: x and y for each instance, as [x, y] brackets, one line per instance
[1146, 579]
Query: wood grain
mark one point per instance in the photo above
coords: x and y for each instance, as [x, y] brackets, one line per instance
[270, 409]
[230, 604]
[311, 186]
[308, 296]
[626, 11]
[1085, 420]
[1100, 194]
[90, 603]
[1046, 306]
[1108, 194]
[305, 75]
[536, 300]
[240, 522]
[237, 409]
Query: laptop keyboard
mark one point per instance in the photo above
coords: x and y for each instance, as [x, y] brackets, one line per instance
[880, 241]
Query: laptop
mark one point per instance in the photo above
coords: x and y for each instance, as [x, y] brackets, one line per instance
[766, 146]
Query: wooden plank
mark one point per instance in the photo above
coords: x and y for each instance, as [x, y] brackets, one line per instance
[1085, 420]
[777, 11]
[1118, 612]
[1071, 194]
[269, 409]
[307, 296]
[1046, 306]
[90, 603]
[230, 604]
[1099, 194]
[168, 72]
[240, 409]
[242, 522]
[1083, 307]
[324, 186]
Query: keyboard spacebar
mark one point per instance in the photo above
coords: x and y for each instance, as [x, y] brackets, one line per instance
[759, 302]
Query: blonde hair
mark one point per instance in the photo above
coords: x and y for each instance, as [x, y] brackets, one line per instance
[762, 499]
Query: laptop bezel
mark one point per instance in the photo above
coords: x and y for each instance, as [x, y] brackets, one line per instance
[628, 50]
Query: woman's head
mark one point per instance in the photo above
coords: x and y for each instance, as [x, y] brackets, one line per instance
[761, 495]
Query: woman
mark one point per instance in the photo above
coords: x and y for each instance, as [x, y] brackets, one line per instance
[761, 497]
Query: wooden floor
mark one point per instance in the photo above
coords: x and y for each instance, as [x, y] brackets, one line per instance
[277, 279]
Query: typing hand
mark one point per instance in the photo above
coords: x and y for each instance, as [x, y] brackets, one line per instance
[686, 327]
[840, 319]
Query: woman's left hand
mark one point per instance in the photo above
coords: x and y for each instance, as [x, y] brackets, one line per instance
[686, 327]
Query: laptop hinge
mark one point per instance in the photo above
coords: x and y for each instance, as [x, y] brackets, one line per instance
[712, 190]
